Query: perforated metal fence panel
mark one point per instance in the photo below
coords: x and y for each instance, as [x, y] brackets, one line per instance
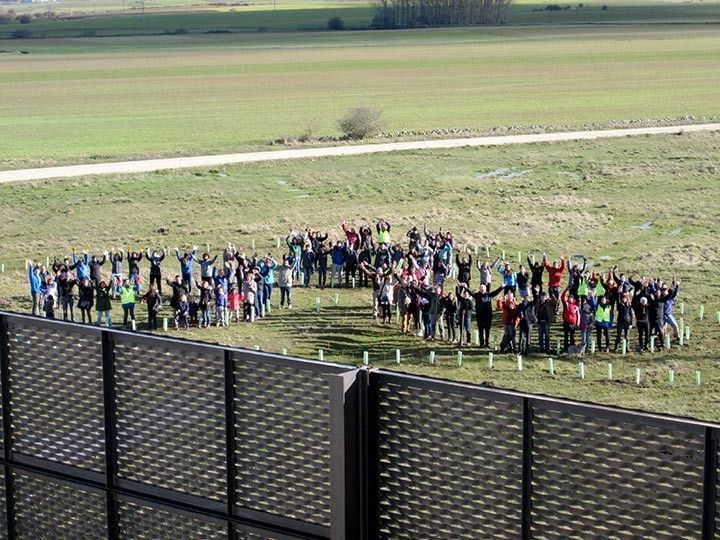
[57, 393]
[205, 442]
[3, 506]
[171, 415]
[449, 462]
[595, 477]
[282, 440]
[55, 510]
[141, 522]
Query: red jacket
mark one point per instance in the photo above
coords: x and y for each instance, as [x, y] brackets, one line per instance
[510, 315]
[571, 311]
[554, 274]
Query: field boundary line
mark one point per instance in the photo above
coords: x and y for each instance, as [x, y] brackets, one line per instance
[151, 165]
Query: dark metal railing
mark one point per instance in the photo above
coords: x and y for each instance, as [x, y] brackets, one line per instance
[308, 449]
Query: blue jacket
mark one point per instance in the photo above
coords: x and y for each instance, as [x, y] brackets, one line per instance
[338, 255]
[35, 280]
[220, 278]
[509, 280]
[267, 271]
[186, 267]
[82, 267]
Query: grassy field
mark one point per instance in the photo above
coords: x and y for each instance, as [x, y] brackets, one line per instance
[97, 99]
[103, 18]
[585, 197]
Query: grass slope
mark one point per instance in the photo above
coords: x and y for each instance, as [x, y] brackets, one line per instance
[86, 100]
[571, 197]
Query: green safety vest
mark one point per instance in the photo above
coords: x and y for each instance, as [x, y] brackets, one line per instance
[127, 295]
[599, 290]
[583, 287]
[602, 314]
[384, 237]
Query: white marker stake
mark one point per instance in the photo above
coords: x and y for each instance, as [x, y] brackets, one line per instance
[697, 377]
[652, 344]
[610, 373]
[581, 365]
[671, 377]
[134, 326]
[284, 352]
[321, 355]
[490, 360]
[432, 358]
[682, 308]
[519, 362]
[519, 257]
[253, 243]
[207, 248]
[667, 341]
[477, 337]
[317, 304]
[337, 298]
[687, 333]
[503, 255]
[593, 344]
[397, 356]
[681, 336]
[366, 358]
[277, 242]
[702, 312]
[637, 375]
[353, 282]
[47, 262]
[558, 347]
[717, 313]
[2, 269]
[551, 366]
[257, 347]
[459, 358]
[624, 346]
[165, 324]
[487, 252]
[397, 315]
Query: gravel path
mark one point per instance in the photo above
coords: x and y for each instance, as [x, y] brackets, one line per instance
[149, 165]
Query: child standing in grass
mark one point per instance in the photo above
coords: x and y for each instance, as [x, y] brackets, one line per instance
[249, 291]
[234, 303]
[182, 313]
[221, 305]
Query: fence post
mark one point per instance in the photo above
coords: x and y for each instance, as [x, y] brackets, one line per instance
[346, 491]
[710, 483]
[527, 469]
[230, 441]
[7, 427]
[110, 409]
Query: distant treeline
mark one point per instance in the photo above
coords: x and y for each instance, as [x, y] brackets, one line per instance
[414, 13]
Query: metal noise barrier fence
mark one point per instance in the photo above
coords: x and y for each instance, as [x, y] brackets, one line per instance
[111, 434]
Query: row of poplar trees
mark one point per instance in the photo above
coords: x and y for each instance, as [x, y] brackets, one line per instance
[414, 13]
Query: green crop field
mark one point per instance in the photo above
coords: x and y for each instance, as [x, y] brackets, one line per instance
[584, 197]
[98, 99]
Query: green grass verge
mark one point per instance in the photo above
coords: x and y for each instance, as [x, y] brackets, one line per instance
[103, 99]
[572, 197]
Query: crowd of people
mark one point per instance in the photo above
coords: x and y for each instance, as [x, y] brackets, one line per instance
[408, 278]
